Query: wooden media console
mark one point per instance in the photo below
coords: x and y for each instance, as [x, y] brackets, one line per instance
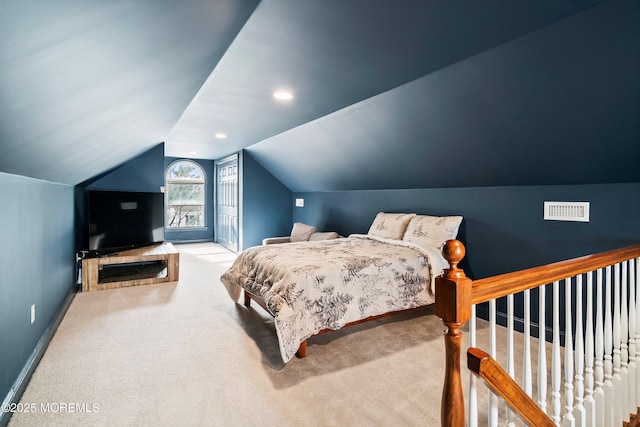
[133, 267]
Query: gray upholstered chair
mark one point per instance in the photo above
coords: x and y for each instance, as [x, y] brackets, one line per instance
[301, 233]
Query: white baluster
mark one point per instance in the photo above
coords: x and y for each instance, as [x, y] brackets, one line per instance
[624, 346]
[555, 356]
[579, 410]
[609, 397]
[568, 420]
[636, 277]
[633, 367]
[542, 350]
[598, 393]
[472, 420]
[493, 400]
[617, 378]
[632, 401]
[589, 401]
[510, 354]
[527, 382]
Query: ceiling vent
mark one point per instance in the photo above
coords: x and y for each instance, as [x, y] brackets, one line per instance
[566, 211]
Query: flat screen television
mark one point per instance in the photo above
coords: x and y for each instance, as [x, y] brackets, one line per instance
[120, 220]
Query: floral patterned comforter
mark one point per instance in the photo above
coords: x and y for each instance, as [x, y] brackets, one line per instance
[310, 286]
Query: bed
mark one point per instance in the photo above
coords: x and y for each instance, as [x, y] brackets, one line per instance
[311, 287]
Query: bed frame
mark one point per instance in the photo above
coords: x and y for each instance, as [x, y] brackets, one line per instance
[302, 350]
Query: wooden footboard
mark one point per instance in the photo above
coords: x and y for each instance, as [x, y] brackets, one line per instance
[248, 296]
[302, 350]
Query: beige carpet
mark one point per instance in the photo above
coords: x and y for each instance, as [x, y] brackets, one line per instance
[185, 354]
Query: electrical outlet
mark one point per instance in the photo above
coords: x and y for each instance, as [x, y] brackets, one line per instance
[33, 313]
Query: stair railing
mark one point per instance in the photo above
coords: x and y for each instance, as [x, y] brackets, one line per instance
[595, 348]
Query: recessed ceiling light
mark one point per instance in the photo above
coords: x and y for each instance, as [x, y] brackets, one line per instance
[221, 135]
[193, 152]
[283, 95]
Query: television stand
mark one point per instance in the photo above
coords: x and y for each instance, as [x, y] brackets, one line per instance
[133, 267]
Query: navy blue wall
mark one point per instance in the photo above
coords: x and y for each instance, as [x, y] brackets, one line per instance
[503, 227]
[200, 234]
[142, 173]
[265, 204]
[36, 266]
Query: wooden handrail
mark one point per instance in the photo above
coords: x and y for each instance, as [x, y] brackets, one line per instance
[484, 290]
[499, 381]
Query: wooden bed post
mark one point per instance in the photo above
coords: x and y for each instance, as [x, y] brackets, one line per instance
[453, 306]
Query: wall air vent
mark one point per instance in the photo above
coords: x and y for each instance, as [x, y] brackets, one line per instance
[566, 211]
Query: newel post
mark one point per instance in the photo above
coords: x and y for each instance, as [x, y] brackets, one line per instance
[453, 306]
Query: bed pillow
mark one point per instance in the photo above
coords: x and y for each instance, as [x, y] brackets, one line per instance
[390, 225]
[301, 232]
[327, 235]
[432, 230]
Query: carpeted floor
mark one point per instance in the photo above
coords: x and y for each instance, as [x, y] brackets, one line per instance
[185, 354]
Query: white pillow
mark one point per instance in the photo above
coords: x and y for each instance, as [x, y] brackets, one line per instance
[390, 225]
[301, 232]
[432, 230]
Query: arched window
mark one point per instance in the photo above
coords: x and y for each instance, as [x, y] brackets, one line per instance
[185, 195]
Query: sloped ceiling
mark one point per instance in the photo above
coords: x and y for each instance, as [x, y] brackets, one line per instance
[560, 105]
[387, 94]
[87, 85]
